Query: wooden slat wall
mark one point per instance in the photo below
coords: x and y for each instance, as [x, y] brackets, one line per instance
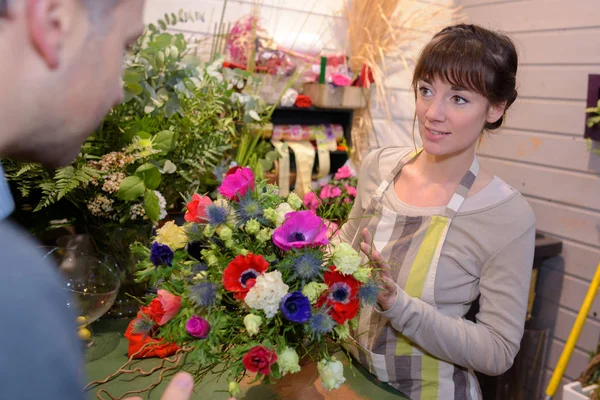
[542, 153]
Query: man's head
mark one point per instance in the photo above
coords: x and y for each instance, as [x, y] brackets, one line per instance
[62, 72]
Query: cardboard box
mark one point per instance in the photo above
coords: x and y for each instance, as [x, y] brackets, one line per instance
[328, 96]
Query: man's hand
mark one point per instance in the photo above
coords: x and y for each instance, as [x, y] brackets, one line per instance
[386, 296]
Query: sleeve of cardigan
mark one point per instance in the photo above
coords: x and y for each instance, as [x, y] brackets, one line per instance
[491, 344]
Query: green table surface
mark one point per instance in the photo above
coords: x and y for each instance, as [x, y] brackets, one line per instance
[109, 353]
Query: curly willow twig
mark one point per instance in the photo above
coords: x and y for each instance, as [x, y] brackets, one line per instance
[176, 361]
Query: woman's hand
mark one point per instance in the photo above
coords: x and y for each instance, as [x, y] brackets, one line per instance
[386, 296]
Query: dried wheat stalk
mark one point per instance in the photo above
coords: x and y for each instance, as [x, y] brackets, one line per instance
[383, 33]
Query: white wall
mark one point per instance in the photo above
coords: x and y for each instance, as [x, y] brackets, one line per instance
[542, 153]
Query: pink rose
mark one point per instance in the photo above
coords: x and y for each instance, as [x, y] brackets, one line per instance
[236, 185]
[336, 192]
[332, 229]
[197, 327]
[343, 173]
[350, 189]
[310, 201]
[171, 305]
[196, 209]
[325, 192]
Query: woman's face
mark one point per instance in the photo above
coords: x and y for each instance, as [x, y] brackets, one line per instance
[451, 118]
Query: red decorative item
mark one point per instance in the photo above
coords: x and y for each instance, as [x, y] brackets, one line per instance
[154, 347]
[365, 79]
[303, 101]
[345, 307]
[259, 359]
[240, 275]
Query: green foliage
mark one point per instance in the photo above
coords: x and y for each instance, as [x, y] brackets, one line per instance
[64, 182]
[594, 119]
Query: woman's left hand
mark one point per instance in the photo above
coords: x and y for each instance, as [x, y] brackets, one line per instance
[386, 296]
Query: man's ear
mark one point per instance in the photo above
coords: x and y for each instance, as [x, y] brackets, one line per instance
[495, 111]
[47, 22]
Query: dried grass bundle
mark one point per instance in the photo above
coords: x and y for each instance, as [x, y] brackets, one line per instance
[385, 35]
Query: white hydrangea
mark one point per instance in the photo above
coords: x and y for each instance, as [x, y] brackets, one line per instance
[345, 259]
[332, 373]
[221, 202]
[162, 205]
[294, 201]
[267, 292]
[282, 210]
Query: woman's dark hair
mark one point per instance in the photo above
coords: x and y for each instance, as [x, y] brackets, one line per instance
[475, 58]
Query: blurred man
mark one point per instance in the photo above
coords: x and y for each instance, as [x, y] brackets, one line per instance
[59, 77]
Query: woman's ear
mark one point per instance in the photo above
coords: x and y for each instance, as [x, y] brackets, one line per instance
[495, 111]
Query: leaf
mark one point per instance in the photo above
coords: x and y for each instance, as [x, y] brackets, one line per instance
[162, 24]
[149, 108]
[164, 39]
[151, 205]
[150, 174]
[131, 76]
[165, 141]
[169, 167]
[131, 188]
[134, 88]
[254, 115]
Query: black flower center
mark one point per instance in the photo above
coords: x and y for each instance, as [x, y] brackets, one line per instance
[291, 307]
[340, 292]
[297, 237]
[246, 275]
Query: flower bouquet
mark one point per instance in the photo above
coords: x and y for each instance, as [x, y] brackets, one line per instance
[249, 285]
[334, 200]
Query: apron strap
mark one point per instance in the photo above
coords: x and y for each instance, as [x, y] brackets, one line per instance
[463, 189]
[457, 198]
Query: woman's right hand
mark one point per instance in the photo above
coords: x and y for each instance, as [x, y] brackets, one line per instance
[388, 291]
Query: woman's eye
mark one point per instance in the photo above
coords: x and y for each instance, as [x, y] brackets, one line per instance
[424, 91]
[459, 100]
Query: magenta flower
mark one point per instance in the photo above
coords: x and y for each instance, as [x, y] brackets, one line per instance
[343, 173]
[237, 184]
[311, 201]
[300, 229]
[197, 327]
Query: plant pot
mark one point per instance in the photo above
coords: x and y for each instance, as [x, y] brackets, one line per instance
[574, 391]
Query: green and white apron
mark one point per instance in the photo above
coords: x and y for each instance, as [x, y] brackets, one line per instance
[412, 246]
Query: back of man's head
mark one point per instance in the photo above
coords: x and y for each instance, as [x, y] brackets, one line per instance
[63, 73]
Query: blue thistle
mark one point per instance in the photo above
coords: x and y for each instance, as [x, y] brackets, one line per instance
[248, 209]
[368, 294]
[199, 267]
[203, 294]
[143, 325]
[216, 215]
[307, 267]
[321, 324]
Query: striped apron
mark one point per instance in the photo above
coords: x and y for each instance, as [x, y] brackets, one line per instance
[412, 246]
